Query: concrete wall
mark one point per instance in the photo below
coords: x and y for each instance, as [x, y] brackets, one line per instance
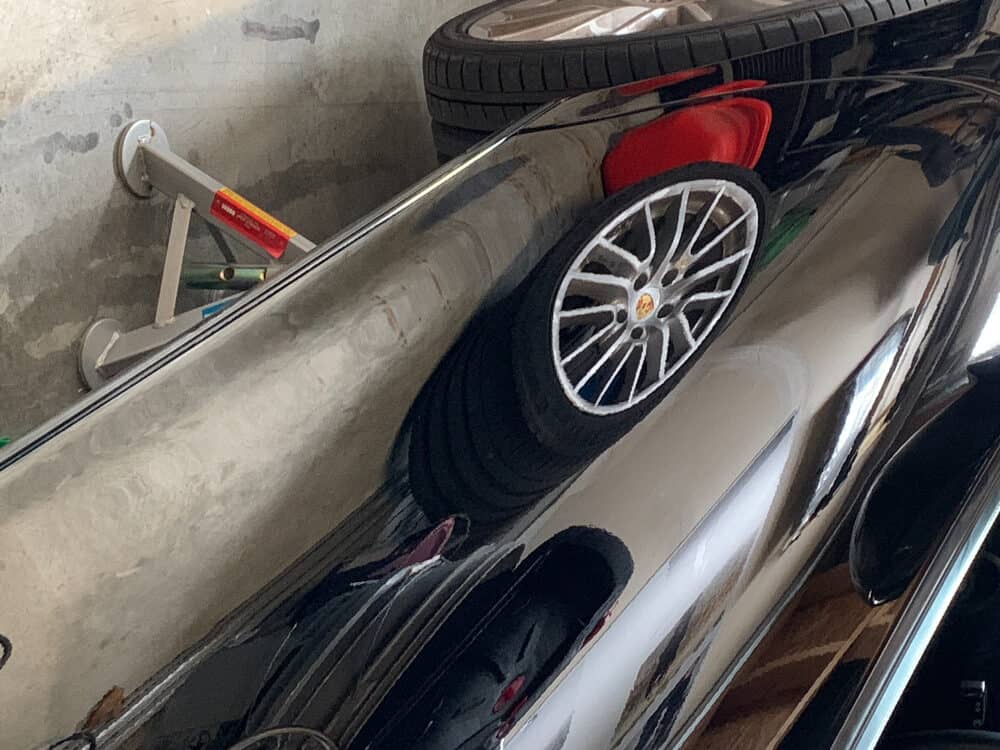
[313, 110]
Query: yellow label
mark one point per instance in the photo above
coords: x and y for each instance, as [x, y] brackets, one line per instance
[258, 213]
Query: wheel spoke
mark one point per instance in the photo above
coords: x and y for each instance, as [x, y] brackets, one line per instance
[698, 14]
[722, 235]
[600, 286]
[664, 353]
[714, 269]
[614, 375]
[647, 209]
[553, 20]
[675, 241]
[681, 328]
[608, 250]
[702, 218]
[638, 373]
[705, 297]
[636, 23]
[656, 355]
[600, 362]
[589, 342]
[584, 315]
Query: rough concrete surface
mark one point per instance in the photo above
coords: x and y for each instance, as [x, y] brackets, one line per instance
[313, 110]
[129, 535]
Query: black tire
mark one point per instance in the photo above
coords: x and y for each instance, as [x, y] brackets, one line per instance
[470, 451]
[451, 142]
[422, 483]
[500, 436]
[444, 477]
[480, 85]
[556, 423]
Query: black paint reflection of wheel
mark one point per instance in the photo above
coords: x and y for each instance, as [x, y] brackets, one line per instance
[479, 695]
[624, 305]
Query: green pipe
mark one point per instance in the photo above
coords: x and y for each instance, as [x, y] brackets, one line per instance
[781, 237]
[222, 276]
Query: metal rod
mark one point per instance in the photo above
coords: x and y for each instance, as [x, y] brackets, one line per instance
[220, 241]
[171, 279]
[131, 345]
[173, 175]
[145, 164]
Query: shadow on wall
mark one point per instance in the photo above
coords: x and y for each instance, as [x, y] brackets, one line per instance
[298, 106]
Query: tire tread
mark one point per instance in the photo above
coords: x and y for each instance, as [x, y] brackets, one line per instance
[519, 77]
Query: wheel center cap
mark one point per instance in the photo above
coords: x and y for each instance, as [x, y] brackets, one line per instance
[644, 306]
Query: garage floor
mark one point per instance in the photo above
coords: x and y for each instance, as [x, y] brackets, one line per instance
[313, 110]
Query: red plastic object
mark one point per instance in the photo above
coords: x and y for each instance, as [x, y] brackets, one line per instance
[428, 547]
[511, 720]
[254, 223]
[509, 694]
[730, 131]
[598, 627]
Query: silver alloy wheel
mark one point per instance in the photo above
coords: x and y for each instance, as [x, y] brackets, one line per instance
[641, 297]
[554, 20]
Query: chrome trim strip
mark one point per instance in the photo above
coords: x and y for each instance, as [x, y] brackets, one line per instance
[919, 621]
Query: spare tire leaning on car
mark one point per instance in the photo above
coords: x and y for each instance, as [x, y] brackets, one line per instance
[489, 67]
[600, 332]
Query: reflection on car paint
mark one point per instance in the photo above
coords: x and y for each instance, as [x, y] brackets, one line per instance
[695, 526]
[659, 638]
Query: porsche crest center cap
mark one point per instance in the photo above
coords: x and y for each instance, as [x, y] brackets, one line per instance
[644, 307]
